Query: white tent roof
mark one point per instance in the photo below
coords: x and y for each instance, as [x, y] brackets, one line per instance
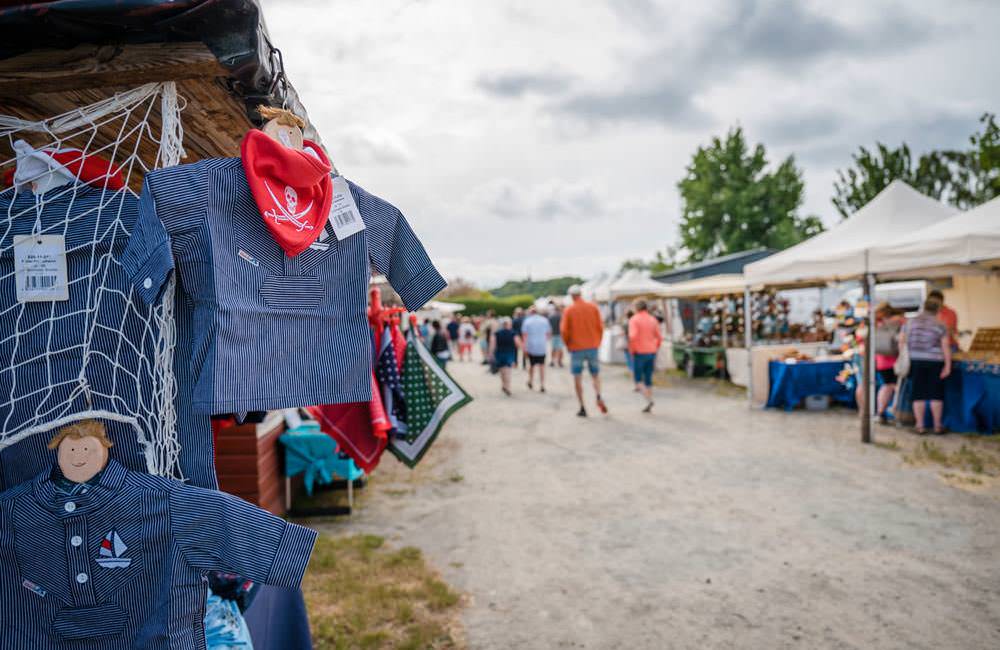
[713, 285]
[599, 291]
[587, 288]
[966, 238]
[841, 252]
[635, 283]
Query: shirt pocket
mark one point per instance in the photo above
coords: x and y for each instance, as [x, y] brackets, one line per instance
[87, 622]
[292, 292]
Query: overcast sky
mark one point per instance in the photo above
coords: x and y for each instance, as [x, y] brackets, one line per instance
[548, 137]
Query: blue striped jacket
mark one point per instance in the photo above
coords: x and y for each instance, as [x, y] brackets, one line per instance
[43, 344]
[269, 331]
[122, 564]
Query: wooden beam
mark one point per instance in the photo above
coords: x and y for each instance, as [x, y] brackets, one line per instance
[91, 66]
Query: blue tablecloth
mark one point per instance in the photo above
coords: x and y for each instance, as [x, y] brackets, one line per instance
[793, 382]
[277, 620]
[972, 398]
[311, 452]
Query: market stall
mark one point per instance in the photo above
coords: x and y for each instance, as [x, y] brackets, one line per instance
[965, 250]
[843, 251]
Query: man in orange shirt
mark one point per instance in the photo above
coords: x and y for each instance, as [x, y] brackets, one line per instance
[947, 316]
[581, 330]
[644, 339]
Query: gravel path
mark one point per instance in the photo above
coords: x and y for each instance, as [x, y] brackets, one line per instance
[705, 525]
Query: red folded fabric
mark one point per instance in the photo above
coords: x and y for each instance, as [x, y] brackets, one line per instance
[292, 189]
[360, 428]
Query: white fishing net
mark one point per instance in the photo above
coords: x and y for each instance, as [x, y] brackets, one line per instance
[101, 352]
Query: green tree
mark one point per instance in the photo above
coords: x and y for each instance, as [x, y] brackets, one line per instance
[962, 178]
[731, 202]
[536, 288]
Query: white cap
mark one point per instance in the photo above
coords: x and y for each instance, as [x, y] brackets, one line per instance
[575, 290]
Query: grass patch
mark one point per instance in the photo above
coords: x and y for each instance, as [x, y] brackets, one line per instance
[964, 458]
[362, 594]
[892, 445]
[456, 478]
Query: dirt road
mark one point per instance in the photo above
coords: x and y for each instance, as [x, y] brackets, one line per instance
[704, 525]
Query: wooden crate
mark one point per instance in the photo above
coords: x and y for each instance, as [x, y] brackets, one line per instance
[248, 463]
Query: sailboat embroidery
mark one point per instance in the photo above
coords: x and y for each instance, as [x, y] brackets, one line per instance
[111, 551]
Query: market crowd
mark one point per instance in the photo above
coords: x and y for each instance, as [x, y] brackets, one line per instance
[553, 335]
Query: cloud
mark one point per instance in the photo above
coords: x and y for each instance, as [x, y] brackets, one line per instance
[780, 36]
[543, 202]
[517, 84]
[794, 127]
[664, 103]
[370, 146]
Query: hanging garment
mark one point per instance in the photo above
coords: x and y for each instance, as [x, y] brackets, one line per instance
[122, 565]
[257, 312]
[61, 358]
[390, 385]
[432, 396]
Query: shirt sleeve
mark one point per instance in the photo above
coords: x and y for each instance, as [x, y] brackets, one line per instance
[216, 531]
[147, 258]
[396, 252]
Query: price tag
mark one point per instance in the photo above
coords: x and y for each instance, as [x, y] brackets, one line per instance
[40, 268]
[344, 214]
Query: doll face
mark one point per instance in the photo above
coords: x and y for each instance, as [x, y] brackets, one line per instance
[80, 459]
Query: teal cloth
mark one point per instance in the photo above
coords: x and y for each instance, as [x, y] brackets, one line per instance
[311, 452]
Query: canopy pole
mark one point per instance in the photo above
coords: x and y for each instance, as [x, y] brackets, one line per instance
[748, 342]
[869, 362]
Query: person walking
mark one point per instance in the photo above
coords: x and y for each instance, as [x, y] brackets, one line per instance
[628, 350]
[581, 330]
[504, 345]
[644, 340]
[926, 339]
[452, 327]
[536, 332]
[516, 324]
[555, 320]
[888, 323]
[466, 338]
[486, 329]
[439, 344]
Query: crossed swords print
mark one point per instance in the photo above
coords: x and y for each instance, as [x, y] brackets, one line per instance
[281, 214]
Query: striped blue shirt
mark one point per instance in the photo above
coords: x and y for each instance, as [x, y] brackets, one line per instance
[43, 345]
[122, 565]
[269, 331]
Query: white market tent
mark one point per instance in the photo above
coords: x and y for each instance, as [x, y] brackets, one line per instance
[635, 284]
[713, 285]
[444, 307]
[968, 239]
[601, 292]
[842, 252]
[588, 287]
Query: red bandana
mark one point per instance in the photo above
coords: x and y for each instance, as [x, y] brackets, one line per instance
[292, 189]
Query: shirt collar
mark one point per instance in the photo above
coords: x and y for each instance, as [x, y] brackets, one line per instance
[89, 498]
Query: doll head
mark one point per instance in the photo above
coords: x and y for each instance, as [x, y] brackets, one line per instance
[82, 449]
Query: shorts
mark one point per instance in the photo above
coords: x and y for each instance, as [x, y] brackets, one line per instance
[536, 359]
[578, 357]
[926, 379]
[642, 368]
[888, 376]
[505, 359]
[557, 342]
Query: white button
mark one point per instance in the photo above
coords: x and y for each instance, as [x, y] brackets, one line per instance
[81, 578]
[70, 506]
[147, 283]
[76, 540]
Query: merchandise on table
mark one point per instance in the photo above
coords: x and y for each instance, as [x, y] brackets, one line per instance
[256, 306]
